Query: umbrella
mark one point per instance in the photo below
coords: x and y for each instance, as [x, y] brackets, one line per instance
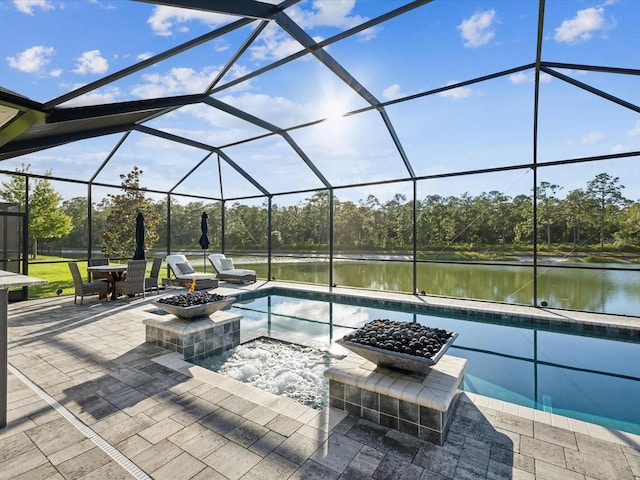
[139, 253]
[204, 239]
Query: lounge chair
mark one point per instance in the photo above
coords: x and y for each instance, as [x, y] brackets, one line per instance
[83, 288]
[184, 272]
[226, 272]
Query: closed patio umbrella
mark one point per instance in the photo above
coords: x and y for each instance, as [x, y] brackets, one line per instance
[139, 253]
[204, 238]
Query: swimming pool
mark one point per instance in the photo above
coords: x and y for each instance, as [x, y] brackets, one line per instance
[584, 377]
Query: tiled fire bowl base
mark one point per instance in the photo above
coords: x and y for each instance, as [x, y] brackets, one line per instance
[197, 338]
[414, 404]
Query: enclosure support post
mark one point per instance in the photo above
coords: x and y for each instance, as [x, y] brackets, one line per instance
[269, 246]
[89, 223]
[168, 230]
[222, 233]
[331, 205]
[25, 231]
[415, 235]
[4, 303]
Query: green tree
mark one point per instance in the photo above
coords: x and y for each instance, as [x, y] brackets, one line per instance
[630, 229]
[576, 212]
[548, 207]
[47, 218]
[604, 189]
[76, 208]
[119, 234]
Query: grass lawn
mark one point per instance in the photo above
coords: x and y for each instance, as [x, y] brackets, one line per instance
[57, 274]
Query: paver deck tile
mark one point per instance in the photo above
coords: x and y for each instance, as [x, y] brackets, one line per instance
[21, 463]
[271, 466]
[337, 452]
[314, 471]
[183, 466]
[232, 461]
[83, 463]
[298, 448]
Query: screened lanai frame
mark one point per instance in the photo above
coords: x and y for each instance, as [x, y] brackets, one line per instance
[131, 117]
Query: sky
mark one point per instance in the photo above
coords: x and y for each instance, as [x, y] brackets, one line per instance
[49, 48]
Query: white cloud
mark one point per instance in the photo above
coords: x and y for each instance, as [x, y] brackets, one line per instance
[478, 29]
[582, 27]
[164, 20]
[27, 6]
[183, 80]
[177, 81]
[31, 60]
[220, 45]
[457, 93]
[91, 62]
[619, 148]
[524, 77]
[327, 13]
[56, 73]
[274, 44]
[635, 131]
[368, 34]
[97, 97]
[144, 56]
[592, 138]
[392, 92]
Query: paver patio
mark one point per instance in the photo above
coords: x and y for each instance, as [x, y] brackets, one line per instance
[125, 409]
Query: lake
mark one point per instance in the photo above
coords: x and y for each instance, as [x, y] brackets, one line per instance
[604, 291]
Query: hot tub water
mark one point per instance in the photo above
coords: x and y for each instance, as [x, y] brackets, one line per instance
[282, 368]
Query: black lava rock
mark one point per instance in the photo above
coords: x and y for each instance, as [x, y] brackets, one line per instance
[192, 299]
[404, 337]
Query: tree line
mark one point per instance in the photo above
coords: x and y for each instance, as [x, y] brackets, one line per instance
[594, 217]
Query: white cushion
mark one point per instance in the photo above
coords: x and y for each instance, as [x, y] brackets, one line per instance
[226, 264]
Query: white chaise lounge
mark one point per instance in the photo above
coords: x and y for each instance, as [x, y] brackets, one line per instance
[227, 273]
[184, 272]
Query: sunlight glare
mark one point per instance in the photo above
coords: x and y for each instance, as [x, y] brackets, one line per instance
[333, 111]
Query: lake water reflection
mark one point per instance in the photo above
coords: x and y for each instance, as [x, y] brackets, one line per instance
[605, 291]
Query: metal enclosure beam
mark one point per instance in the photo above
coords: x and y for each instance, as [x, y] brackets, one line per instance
[239, 8]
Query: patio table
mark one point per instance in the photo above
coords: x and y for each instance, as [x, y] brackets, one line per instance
[8, 280]
[112, 273]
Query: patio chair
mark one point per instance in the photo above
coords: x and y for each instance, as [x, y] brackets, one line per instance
[97, 275]
[83, 288]
[151, 281]
[226, 272]
[184, 272]
[134, 283]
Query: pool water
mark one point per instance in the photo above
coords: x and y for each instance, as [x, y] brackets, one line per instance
[583, 377]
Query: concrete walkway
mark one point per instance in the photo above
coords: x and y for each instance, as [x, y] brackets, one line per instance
[89, 399]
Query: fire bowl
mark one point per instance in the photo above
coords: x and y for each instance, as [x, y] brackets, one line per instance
[194, 311]
[404, 333]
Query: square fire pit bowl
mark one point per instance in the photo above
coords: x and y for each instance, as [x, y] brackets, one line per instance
[195, 311]
[398, 360]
